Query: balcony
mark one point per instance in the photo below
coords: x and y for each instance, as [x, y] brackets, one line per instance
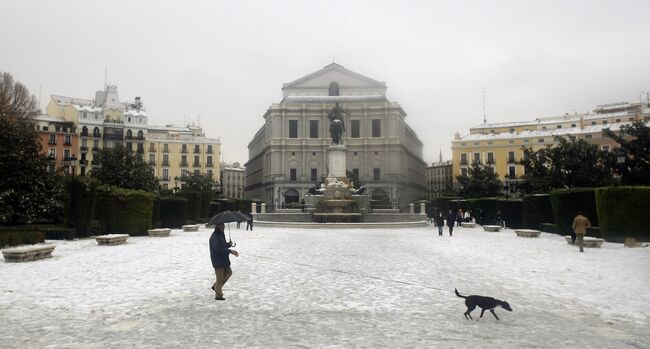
[139, 138]
[109, 121]
[197, 151]
[165, 163]
[140, 151]
[96, 149]
[184, 151]
[51, 142]
[511, 160]
[463, 161]
[83, 162]
[166, 179]
[184, 163]
[209, 151]
[152, 163]
[209, 164]
[84, 134]
[113, 137]
[97, 135]
[67, 143]
[196, 164]
[51, 157]
[490, 161]
[83, 148]
[166, 150]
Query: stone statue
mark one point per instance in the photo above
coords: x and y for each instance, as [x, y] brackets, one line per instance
[337, 126]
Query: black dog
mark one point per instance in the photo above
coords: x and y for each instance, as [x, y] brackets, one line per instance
[485, 303]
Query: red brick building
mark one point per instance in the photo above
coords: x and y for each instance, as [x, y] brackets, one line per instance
[58, 140]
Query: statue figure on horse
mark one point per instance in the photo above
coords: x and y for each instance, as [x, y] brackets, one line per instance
[337, 125]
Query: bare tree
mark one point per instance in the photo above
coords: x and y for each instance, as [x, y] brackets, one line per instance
[15, 101]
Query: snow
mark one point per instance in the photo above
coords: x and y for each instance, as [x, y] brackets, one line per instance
[329, 288]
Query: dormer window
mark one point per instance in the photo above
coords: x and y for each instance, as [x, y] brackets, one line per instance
[334, 89]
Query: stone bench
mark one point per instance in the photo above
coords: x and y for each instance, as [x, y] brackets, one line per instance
[492, 228]
[588, 241]
[28, 253]
[468, 225]
[527, 233]
[160, 232]
[191, 227]
[111, 239]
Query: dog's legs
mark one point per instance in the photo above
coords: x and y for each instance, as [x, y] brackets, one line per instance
[482, 311]
[467, 314]
[493, 313]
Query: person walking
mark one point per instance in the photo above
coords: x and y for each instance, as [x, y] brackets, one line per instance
[249, 223]
[580, 224]
[450, 222]
[439, 221]
[220, 256]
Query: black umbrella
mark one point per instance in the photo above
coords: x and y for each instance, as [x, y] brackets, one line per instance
[227, 217]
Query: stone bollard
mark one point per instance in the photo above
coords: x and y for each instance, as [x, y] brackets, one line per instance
[411, 208]
[253, 208]
[263, 208]
[422, 208]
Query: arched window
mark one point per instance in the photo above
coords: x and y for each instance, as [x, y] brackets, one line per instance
[129, 134]
[290, 196]
[334, 89]
[84, 131]
[96, 132]
[140, 135]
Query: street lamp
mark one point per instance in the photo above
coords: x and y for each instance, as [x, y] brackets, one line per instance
[621, 157]
[73, 164]
[175, 184]
[505, 186]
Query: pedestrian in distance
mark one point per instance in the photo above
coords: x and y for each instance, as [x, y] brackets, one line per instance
[468, 216]
[238, 222]
[440, 222]
[459, 217]
[450, 222]
[220, 256]
[580, 224]
[249, 223]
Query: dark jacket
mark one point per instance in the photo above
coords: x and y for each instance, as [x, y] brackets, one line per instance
[450, 220]
[440, 221]
[219, 249]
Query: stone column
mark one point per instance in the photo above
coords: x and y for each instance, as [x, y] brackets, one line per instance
[411, 208]
[422, 208]
[263, 210]
[253, 208]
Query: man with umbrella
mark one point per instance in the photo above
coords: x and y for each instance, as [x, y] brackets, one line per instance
[220, 255]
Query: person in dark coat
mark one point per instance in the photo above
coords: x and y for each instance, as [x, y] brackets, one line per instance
[220, 255]
[459, 217]
[450, 222]
[440, 222]
[249, 223]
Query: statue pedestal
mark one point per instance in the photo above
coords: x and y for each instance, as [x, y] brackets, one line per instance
[337, 154]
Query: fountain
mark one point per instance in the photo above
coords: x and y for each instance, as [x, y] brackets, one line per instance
[336, 203]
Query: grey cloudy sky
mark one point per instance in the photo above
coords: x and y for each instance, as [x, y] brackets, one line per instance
[226, 60]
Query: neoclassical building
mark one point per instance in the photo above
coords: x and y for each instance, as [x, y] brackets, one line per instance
[289, 152]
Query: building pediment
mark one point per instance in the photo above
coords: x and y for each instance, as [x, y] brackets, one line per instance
[349, 82]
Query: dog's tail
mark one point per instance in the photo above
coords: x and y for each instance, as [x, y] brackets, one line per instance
[458, 294]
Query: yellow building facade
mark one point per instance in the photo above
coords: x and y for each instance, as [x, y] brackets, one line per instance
[500, 145]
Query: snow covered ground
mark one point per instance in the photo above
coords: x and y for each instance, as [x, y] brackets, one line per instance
[329, 288]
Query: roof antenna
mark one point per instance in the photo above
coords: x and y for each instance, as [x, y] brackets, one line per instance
[484, 117]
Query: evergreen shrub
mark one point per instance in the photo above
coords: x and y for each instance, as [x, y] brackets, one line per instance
[155, 214]
[511, 212]
[20, 235]
[622, 212]
[537, 209]
[442, 203]
[173, 212]
[567, 202]
[80, 206]
[124, 211]
[193, 204]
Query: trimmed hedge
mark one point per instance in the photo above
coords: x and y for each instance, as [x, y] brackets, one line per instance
[443, 203]
[155, 215]
[511, 212]
[622, 212]
[567, 202]
[124, 211]
[173, 212]
[536, 209]
[81, 204]
[215, 207]
[193, 204]
[206, 197]
[20, 235]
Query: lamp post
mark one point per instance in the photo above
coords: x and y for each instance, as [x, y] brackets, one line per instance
[621, 157]
[73, 165]
[175, 184]
[506, 187]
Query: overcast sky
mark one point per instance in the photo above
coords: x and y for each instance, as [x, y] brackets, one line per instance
[225, 61]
